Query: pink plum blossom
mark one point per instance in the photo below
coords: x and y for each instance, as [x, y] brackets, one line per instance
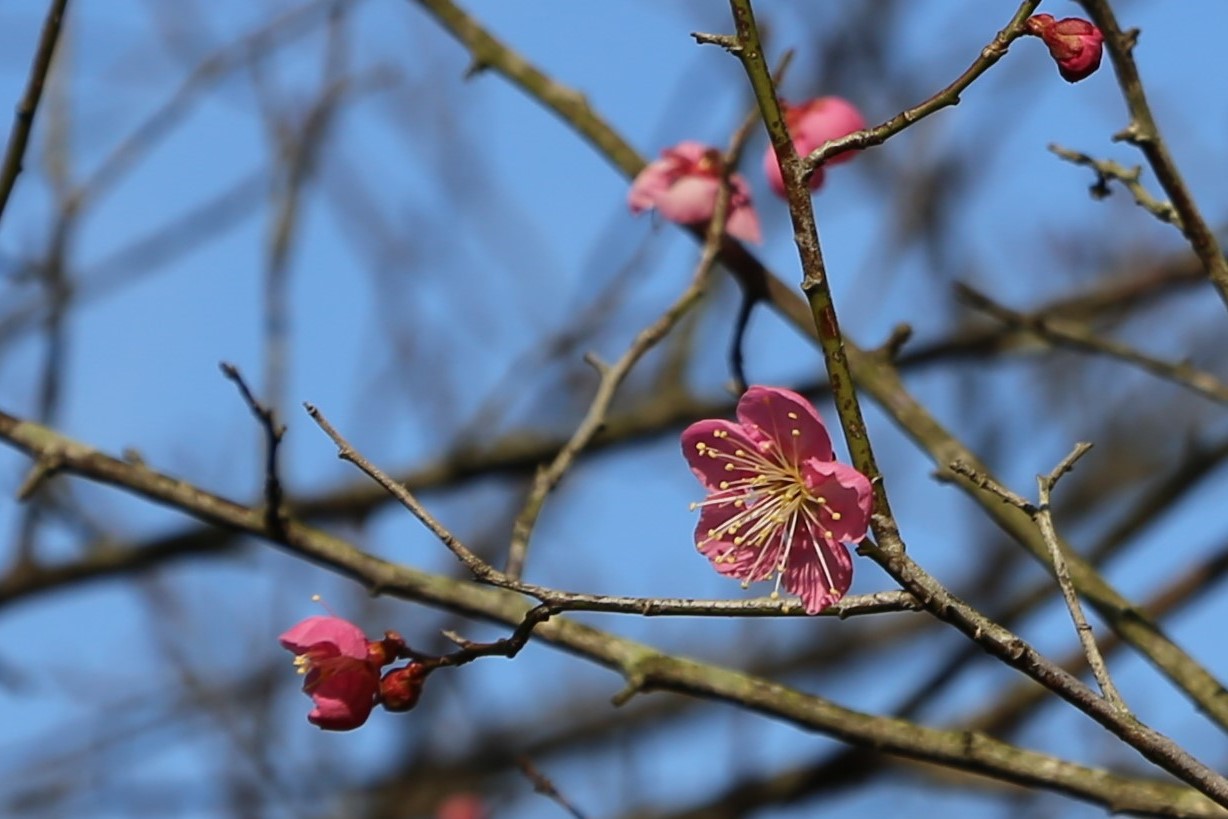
[778, 504]
[812, 124]
[1076, 45]
[341, 670]
[682, 186]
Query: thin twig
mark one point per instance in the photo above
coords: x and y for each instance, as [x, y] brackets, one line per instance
[274, 432]
[572, 601]
[1143, 133]
[543, 785]
[1079, 336]
[1044, 519]
[469, 650]
[1129, 177]
[23, 118]
[750, 296]
[612, 376]
[346, 452]
[869, 137]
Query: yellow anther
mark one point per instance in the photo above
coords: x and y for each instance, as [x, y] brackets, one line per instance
[728, 467]
[793, 415]
[835, 516]
[724, 484]
[741, 453]
[701, 446]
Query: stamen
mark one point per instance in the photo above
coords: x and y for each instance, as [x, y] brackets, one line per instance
[302, 664]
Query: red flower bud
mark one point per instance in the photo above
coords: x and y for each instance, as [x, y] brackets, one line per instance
[1076, 45]
[400, 688]
[390, 649]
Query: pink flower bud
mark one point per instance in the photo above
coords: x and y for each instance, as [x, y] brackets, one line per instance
[1076, 45]
[682, 186]
[812, 124]
[400, 688]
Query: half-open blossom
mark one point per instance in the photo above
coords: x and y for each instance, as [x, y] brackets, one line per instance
[683, 184]
[812, 124]
[341, 670]
[778, 503]
[1076, 45]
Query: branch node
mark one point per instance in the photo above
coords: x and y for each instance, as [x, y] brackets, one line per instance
[726, 41]
[43, 470]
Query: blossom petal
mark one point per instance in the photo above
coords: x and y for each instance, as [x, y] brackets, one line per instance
[651, 184]
[656, 179]
[743, 223]
[818, 571]
[347, 637]
[744, 561]
[848, 497]
[787, 420]
[716, 451]
[690, 200]
[344, 700]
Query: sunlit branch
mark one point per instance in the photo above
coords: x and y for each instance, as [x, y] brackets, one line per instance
[641, 665]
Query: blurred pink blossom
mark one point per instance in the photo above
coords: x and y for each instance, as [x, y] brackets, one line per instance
[341, 671]
[1076, 45]
[812, 124]
[462, 806]
[682, 186]
[778, 504]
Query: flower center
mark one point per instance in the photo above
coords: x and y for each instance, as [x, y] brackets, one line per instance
[322, 663]
[775, 504]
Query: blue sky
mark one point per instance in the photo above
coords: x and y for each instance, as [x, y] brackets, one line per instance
[500, 227]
